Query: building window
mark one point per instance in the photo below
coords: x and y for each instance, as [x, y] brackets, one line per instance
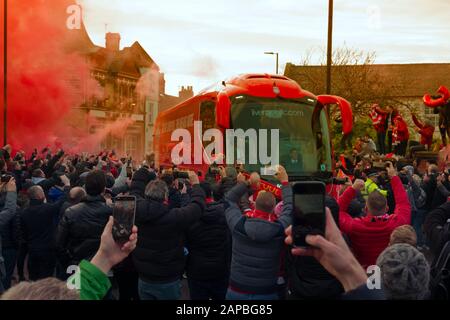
[434, 118]
[132, 144]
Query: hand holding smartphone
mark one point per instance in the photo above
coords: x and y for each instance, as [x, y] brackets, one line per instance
[124, 212]
[309, 211]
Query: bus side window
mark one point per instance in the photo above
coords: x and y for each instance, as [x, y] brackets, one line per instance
[208, 115]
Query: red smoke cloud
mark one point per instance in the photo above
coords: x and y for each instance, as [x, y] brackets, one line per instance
[39, 95]
[44, 79]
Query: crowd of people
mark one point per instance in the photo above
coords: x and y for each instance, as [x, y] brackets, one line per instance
[221, 237]
[393, 133]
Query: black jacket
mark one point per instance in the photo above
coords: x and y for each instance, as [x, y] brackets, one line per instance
[434, 227]
[209, 244]
[438, 197]
[309, 280]
[430, 188]
[38, 224]
[80, 229]
[159, 255]
[10, 231]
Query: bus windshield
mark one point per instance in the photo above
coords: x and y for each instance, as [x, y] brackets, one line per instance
[304, 146]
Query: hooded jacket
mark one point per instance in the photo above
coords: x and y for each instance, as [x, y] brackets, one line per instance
[209, 243]
[159, 254]
[257, 244]
[370, 235]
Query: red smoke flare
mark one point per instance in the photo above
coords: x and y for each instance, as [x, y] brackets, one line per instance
[43, 76]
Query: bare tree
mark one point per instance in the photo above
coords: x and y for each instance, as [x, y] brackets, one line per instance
[354, 78]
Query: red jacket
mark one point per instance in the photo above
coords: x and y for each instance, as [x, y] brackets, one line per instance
[426, 132]
[370, 235]
[400, 132]
[378, 120]
[388, 116]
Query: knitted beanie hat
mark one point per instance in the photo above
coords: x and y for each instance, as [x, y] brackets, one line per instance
[405, 273]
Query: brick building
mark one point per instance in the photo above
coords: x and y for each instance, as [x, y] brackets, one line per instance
[129, 86]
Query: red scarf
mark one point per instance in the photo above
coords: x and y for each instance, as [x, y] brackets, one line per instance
[271, 217]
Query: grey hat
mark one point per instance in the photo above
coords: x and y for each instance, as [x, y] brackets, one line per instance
[405, 273]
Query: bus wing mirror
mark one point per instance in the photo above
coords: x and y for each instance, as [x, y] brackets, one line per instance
[345, 108]
[223, 111]
[433, 103]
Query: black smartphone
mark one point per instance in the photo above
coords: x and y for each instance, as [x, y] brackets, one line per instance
[309, 211]
[124, 212]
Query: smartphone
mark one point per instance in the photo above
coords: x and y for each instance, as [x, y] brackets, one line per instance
[269, 171]
[124, 212]
[309, 211]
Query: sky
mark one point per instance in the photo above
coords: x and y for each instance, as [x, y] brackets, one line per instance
[200, 42]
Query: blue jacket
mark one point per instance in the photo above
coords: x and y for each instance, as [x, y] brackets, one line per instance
[55, 194]
[257, 244]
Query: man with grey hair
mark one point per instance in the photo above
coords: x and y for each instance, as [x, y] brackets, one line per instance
[405, 273]
[157, 190]
[159, 257]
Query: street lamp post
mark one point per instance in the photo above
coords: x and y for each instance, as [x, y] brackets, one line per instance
[5, 65]
[276, 54]
[330, 45]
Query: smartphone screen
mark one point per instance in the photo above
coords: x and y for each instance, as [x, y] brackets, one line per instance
[309, 211]
[123, 213]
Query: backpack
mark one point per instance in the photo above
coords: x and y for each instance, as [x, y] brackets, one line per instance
[440, 270]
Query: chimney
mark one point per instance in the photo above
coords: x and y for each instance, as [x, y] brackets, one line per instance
[162, 83]
[186, 92]
[113, 41]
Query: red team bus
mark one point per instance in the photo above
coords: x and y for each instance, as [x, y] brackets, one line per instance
[260, 101]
